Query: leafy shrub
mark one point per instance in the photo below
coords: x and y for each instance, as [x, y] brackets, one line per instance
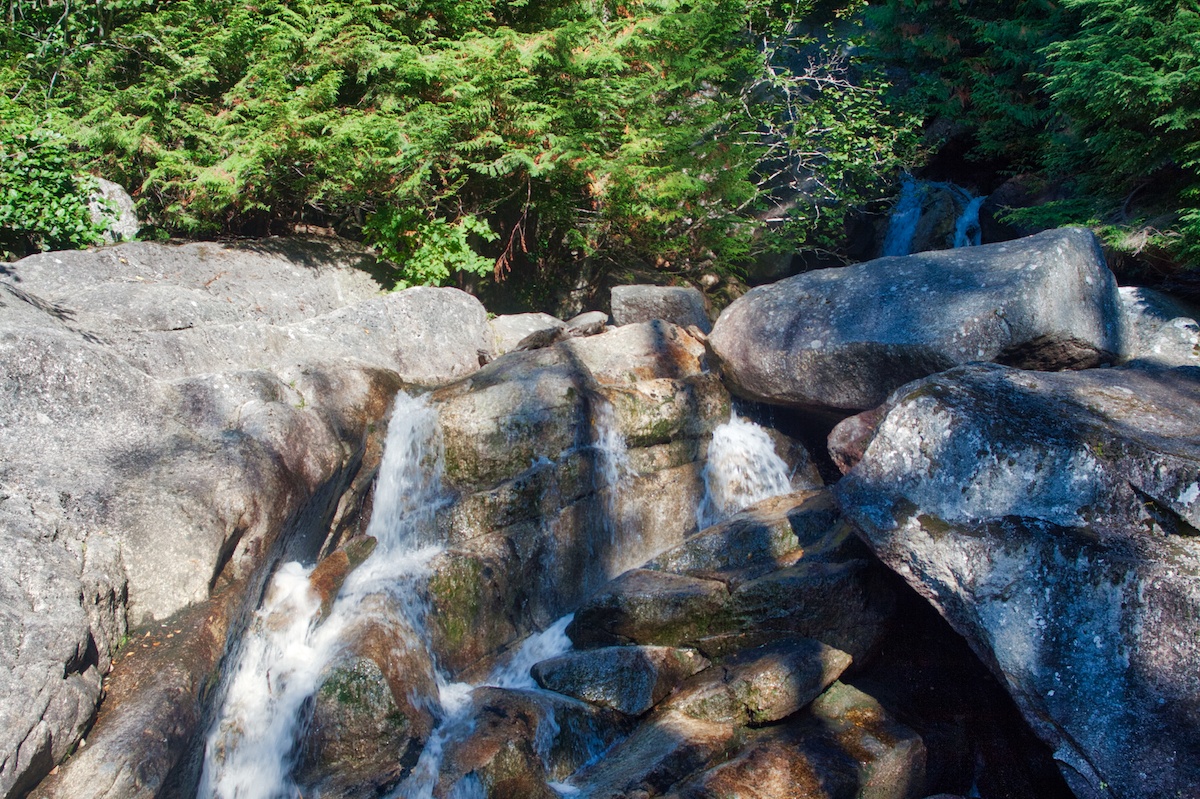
[428, 252]
[43, 205]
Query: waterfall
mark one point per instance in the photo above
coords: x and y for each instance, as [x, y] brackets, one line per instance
[742, 468]
[908, 212]
[902, 225]
[456, 705]
[251, 749]
[967, 232]
[611, 463]
[612, 454]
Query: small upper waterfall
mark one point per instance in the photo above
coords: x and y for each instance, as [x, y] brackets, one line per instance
[612, 469]
[910, 215]
[967, 232]
[902, 225]
[284, 654]
[742, 468]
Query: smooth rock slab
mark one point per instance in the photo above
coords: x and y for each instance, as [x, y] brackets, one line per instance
[1052, 519]
[844, 338]
[629, 679]
[680, 305]
[172, 420]
[761, 685]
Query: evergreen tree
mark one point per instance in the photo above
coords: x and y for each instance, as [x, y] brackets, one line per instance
[656, 132]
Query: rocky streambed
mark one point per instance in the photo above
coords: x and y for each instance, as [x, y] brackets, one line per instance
[270, 532]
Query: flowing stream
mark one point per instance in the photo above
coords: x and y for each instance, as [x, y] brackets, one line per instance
[742, 468]
[456, 707]
[285, 654]
[283, 657]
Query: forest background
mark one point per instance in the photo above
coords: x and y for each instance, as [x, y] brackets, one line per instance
[473, 141]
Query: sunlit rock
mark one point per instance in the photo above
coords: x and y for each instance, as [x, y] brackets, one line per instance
[842, 339]
[1052, 519]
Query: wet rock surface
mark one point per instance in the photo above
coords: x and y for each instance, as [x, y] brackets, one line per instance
[1046, 302]
[628, 679]
[515, 742]
[763, 684]
[747, 577]
[171, 425]
[1051, 518]
[846, 744]
[360, 743]
[569, 464]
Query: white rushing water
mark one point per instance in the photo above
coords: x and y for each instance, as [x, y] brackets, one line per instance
[283, 656]
[967, 232]
[907, 212]
[287, 649]
[612, 453]
[613, 469]
[456, 706]
[742, 468]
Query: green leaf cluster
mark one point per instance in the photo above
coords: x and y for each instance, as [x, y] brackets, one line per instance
[661, 132]
[43, 205]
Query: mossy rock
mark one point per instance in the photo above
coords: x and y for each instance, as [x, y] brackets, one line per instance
[360, 743]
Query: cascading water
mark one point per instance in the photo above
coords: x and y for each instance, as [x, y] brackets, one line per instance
[286, 652]
[742, 468]
[612, 454]
[283, 657]
[456, 706]
[967, 232]
[902, 225]
[906, 216]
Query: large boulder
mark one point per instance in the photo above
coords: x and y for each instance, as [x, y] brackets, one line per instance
[763, 684]
[842, 339]
[846, 744]
[628, 679]
[766, 573]
[1052, 519]
[175, 420]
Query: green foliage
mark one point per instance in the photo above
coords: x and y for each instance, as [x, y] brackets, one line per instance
[1101, 94]
[660, 132]
[1127, 83]
[43, 205]
[427, 251]
[980, 64]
